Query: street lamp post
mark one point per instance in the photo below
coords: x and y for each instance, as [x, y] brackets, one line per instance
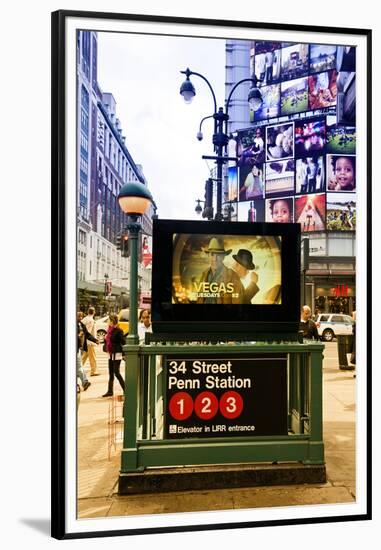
[220, 135]
[134, 199]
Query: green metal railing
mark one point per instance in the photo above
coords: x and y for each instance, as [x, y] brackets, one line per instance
[145, 407]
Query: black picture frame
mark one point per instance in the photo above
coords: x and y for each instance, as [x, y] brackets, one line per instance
[61, 354]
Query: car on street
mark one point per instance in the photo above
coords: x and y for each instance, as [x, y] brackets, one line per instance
[101, 325]
[330, 325]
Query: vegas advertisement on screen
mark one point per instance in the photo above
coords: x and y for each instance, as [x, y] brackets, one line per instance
[226, 269]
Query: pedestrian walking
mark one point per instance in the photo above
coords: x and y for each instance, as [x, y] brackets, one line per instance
[83, 336]
[114, 342]
[89, 323]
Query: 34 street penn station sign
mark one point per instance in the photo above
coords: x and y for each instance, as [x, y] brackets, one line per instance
[226, 396]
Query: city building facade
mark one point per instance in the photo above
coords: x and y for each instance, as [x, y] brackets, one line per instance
[328, 279]
[104, 166]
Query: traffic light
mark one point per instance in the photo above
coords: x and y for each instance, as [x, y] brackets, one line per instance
[118, 241]
[125, 246]
[208, 210]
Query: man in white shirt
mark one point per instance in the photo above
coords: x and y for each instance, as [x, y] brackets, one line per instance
[144, 324]
[89, 323]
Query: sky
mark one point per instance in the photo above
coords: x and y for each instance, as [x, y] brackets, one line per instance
[143, 74]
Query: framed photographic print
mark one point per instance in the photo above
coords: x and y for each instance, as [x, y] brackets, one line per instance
[224, 393]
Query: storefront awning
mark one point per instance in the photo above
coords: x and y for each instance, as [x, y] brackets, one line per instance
[99, 287]
[331, 272]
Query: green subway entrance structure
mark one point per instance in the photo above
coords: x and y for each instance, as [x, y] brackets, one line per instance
[222, 415]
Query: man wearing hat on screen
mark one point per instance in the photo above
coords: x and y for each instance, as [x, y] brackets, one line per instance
[219, 284]
[243, 265]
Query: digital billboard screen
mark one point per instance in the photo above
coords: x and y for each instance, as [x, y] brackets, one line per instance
[226, 277]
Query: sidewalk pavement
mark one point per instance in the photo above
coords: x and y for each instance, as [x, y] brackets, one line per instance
[99, 462]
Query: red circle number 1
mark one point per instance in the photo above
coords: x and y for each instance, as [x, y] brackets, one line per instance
[181, 405]
[231, 404]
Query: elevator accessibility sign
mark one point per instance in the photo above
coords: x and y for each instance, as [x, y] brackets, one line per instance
[215, 396]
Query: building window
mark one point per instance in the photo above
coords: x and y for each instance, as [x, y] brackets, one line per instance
[82, 237]
[95, 62]
[83, 193]
[85, 101]
[105, 140]
[83, 164]
[318, 245]
[86, 53]
[340, 245]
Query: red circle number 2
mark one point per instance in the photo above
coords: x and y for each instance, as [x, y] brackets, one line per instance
[231, 404]
[206, 405]
[181, 405]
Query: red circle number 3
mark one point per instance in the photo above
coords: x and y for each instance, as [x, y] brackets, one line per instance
[231, 404]
[206, 405]
[181, 405]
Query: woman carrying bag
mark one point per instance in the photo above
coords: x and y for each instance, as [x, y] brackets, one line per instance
[114, 342]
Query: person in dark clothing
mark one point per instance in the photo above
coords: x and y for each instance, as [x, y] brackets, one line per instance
[353, 354]
[307, 325]
[114, 343]
[82, 336]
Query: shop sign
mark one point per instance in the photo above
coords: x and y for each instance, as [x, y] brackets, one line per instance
[340, 291]
[225, 396]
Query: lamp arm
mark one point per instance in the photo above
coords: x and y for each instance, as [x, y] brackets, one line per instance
[254, 80]
[202, 120]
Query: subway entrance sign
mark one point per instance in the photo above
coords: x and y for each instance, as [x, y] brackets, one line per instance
[225, 396]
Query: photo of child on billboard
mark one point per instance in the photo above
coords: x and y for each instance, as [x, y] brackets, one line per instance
[341, 172]
[226, 269]
[280, 210]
